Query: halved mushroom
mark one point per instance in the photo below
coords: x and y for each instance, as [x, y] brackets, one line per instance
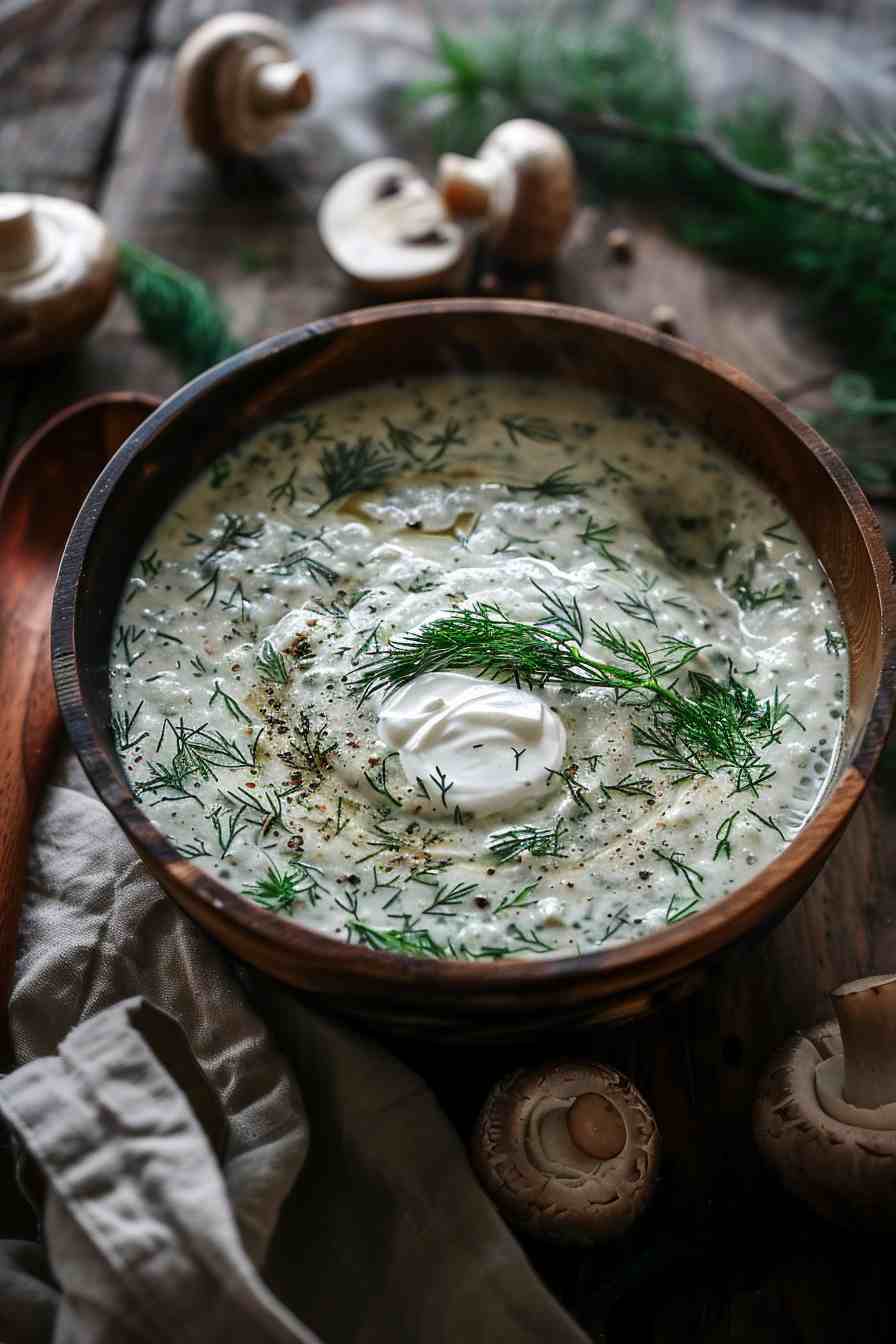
[522, 182]
[238, 83]
[825, 1113]
[386, 227]
[568, 1152]
[58, 271]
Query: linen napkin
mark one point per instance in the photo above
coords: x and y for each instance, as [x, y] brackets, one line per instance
[190, 1188]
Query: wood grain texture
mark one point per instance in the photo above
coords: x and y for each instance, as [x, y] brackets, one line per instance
[478, 1000]
[39, 497]
[723, 1255]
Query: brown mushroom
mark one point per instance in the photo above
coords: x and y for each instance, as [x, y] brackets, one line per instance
[58, 270]
[522, 183]
[386, 227]
[238, 84]
[569, 1152]
[825, 1113]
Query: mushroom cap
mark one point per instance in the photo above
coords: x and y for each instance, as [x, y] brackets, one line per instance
[226, 101]
[386, 227]
[58, 271]
[846, 1172]
[568, 1152]
[544, 202]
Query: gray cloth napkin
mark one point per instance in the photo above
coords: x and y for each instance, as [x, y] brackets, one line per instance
[166, 1132]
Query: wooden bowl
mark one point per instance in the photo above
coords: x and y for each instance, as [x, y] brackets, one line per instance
[474, 1000]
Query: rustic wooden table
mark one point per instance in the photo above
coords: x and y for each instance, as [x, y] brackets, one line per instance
[86, 111]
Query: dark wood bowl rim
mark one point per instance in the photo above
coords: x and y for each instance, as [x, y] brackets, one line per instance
[641, 962]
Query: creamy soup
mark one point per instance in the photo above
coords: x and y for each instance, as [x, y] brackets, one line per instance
[479, 668]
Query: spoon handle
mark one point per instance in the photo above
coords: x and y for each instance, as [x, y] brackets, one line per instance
[29, 724]
[40, 496]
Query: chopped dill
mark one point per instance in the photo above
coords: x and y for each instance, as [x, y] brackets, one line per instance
[537, 428]
[770, 822]
[236, 535]
[723, 836]
[210, 585]
[510, 844]
[674, 911]
[350, 467]
[518, 900]
[232, 706]
[279, 889]
[593, 535]
[272, 665]
[577, 792]
[749, 598]
[630, 787]
[557, 485]
[122, 729]
[379, 782]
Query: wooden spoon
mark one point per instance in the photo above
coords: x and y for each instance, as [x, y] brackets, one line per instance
[40, 496]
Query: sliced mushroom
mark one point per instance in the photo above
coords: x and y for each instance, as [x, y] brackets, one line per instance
[58, 270]
[238, 84]
[568, 1152]
[825, 1113]
[386, 227]
[522, 182]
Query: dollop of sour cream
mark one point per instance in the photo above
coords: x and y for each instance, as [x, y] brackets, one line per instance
[470, 743]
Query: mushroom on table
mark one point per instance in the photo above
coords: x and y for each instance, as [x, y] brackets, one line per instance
[568, 1152]
[239, 84]
[385, 226]
[58, 272]
[825, 1113]
[522, 184]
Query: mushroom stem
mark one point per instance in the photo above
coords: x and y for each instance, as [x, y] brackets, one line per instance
[474, 188]
[281, 86]
[19, 239]
[866, 1013]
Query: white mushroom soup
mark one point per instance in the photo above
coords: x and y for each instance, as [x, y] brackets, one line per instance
[479, 668]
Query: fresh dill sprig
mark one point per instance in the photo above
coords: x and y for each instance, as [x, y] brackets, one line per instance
[518, 900]
[723, 836]
[577, 792]
[122, 729]
[125, 639]
[517, 840]
[311, 744]
[749, 598]
[236, 535]
[285, 490]
[379, 782]
[348, 467]
[210, 586]
[442, 783]
[537, 428]
[601, 537]
[674, 911]
[316, 570]
[565, 616]
[769, 822]
[228, 826]
[719, 724]
[557, 485]
[232, 706]
[279, 889]
[272, 665]
[630, 787]
[412, 942]
[446, 898]
[638, 607]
